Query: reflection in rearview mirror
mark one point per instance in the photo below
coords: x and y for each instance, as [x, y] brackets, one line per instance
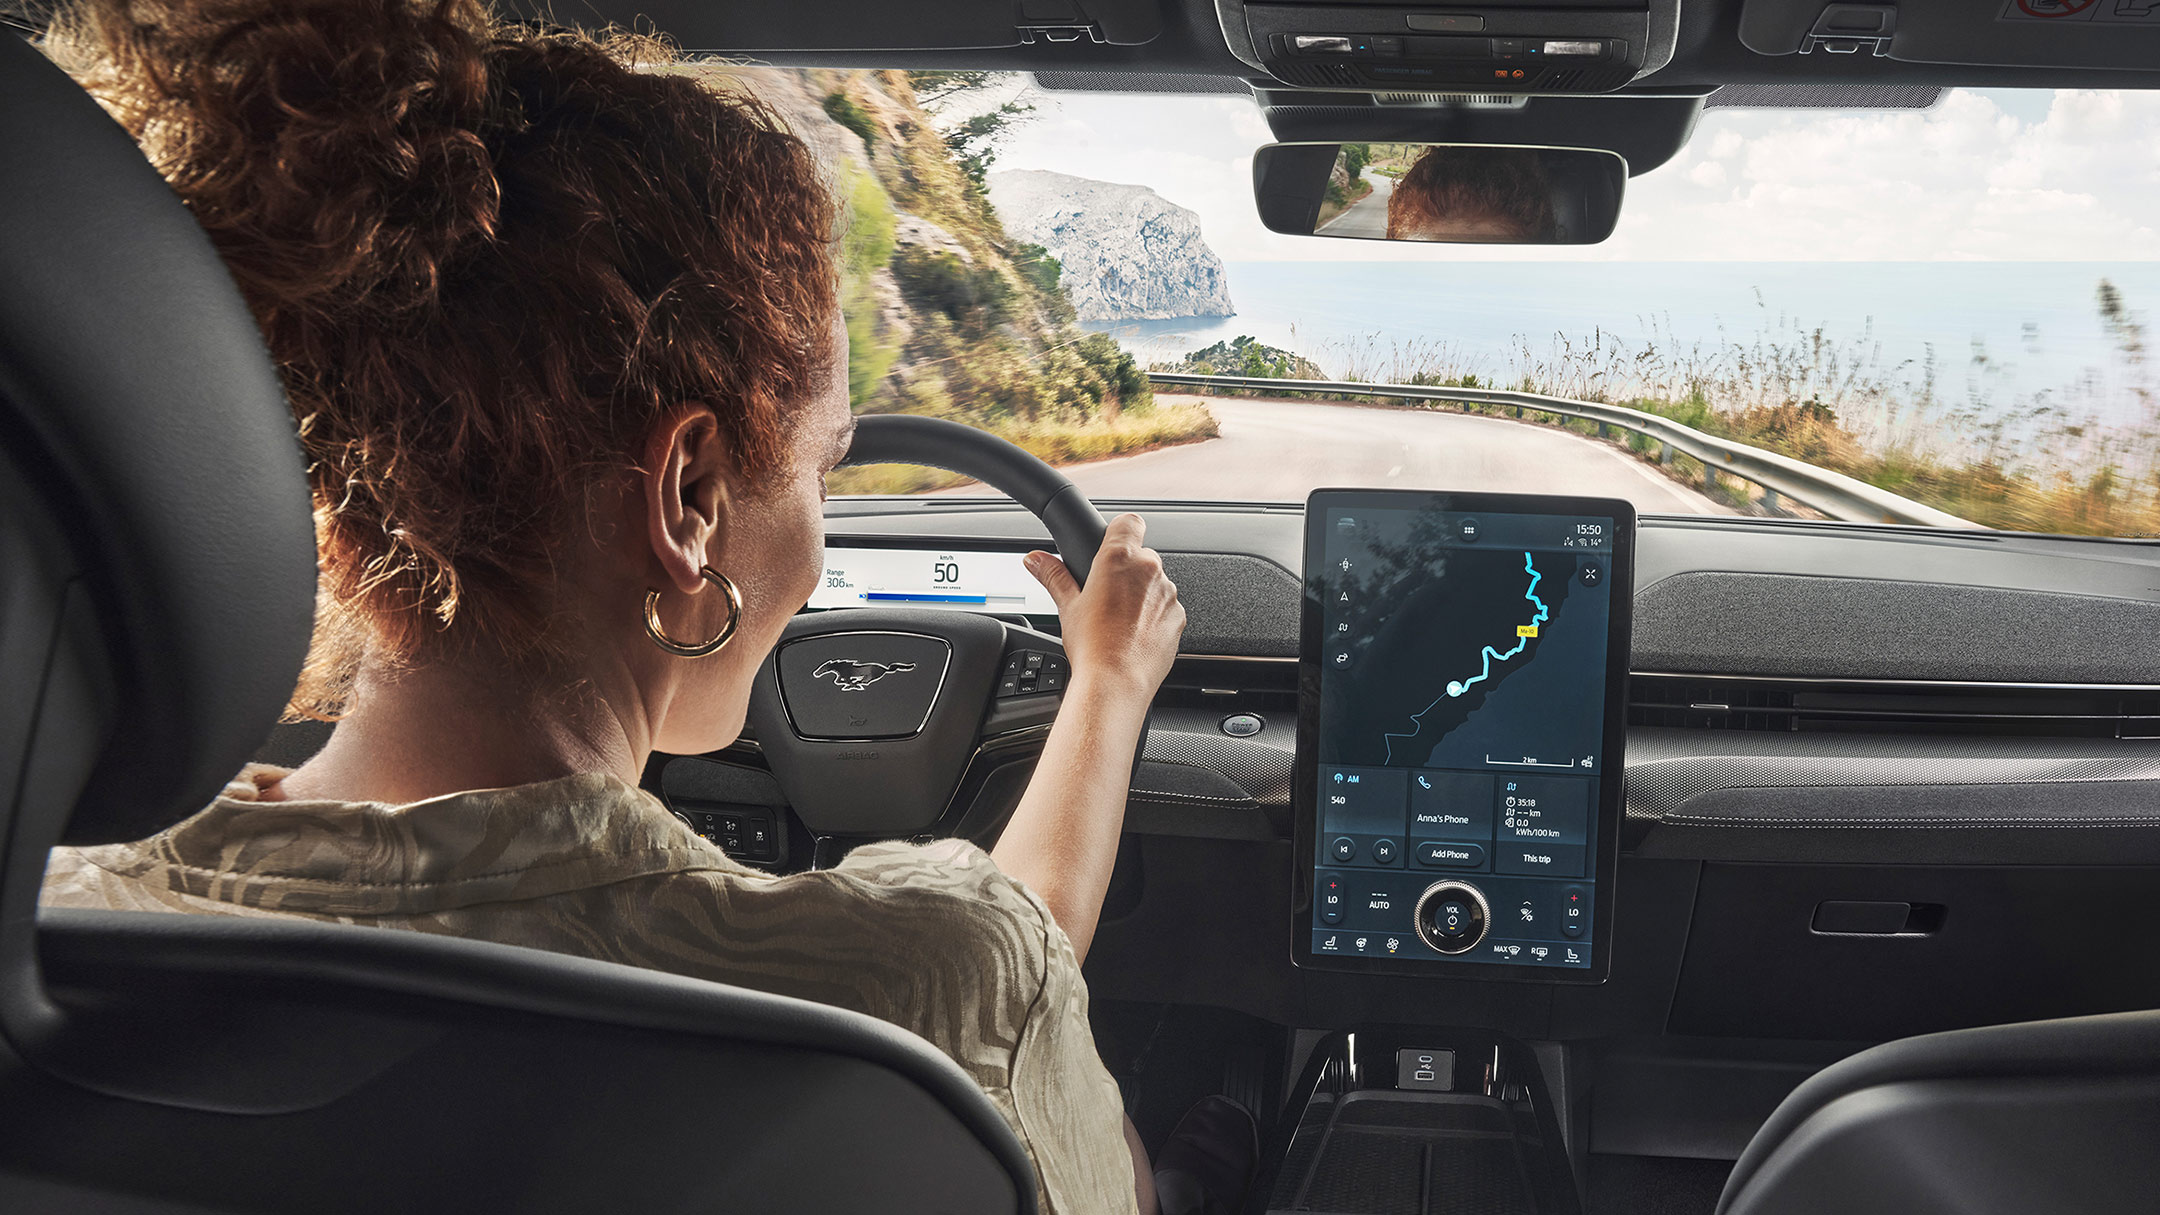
[1469, 193]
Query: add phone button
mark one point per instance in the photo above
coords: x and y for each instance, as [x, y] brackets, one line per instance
[1443, 854]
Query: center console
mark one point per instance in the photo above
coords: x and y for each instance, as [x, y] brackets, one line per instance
[1461, 703]
[1402, 1121]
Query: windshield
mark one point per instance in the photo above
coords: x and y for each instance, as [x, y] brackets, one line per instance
[1947, 304]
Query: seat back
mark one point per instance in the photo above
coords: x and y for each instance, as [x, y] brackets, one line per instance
[156, 594]
[2055, 1116]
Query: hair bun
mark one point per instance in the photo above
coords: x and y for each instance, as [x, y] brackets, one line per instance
[336, 149]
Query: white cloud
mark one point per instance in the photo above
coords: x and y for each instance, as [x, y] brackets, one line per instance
[1981, 176]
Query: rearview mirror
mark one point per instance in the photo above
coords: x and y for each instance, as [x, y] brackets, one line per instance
[1455, 192]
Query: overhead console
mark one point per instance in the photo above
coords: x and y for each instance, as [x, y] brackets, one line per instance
[873, 25]
[1998, 33]
[1582, 46]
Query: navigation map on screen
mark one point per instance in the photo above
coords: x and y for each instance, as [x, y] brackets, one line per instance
[1462, 718]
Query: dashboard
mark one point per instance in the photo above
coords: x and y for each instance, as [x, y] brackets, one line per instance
[1877, 780]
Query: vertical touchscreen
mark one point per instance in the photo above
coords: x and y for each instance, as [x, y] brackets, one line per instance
[1465, 723]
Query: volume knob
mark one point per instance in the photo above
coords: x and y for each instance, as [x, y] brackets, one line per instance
[1452, 916]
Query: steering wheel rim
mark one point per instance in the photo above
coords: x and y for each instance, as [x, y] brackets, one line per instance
[872, 719]
[1075, 526]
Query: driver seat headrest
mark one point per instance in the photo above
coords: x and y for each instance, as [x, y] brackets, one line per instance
[158, 556]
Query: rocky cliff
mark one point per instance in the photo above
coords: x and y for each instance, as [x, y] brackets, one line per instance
[1128, 253]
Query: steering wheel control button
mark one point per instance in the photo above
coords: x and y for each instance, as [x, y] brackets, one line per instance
[859, 686]
[1452, 917]
[1383, 852]
[1344, 849]
[1329, 899]
[1445, 854]
[745, 834]
[1028, 672]
[1574, 911]
[1242, 725]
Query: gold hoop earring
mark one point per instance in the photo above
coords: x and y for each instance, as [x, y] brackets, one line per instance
[727, 631]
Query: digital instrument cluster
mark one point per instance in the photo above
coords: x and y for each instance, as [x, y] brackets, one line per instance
[910, 575]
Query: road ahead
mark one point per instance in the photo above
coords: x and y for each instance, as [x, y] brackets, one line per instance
[1281, 450]
[1367, 217]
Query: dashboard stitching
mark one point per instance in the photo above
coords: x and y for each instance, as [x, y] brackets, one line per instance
[1162, 795]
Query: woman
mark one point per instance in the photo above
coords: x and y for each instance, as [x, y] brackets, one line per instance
[562, 335]
[1473, 194]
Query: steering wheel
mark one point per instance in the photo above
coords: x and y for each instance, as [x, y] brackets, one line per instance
[869, 718]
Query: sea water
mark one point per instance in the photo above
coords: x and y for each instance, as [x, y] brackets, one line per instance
[2036, 324]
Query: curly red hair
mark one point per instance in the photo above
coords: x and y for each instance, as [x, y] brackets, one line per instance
[1504, 186]
[487, 257]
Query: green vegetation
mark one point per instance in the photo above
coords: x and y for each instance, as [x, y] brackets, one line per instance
[948, 316]
[866, 245]
[1247, 356]
[1041, 270]
[841, 109]
[973, 140]
[973, 296]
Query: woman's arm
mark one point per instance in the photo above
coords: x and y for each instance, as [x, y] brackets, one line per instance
[1121, 634]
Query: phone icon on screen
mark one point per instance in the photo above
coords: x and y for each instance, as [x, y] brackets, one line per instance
[1422, 782]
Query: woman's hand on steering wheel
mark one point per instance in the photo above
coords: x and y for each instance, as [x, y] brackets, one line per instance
[1120, 632]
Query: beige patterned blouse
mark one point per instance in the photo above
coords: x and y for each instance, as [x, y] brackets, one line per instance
[931, 938]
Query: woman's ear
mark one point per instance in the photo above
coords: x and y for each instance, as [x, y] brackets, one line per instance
[685, 479]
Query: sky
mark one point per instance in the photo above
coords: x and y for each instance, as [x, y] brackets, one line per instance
[1987, 175]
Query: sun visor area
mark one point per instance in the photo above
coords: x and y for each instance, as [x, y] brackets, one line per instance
[875, 25]
[1996, 33]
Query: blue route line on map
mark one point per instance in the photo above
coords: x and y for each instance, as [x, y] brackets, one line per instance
[1490, 655]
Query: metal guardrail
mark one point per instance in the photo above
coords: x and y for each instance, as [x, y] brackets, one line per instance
[1834, 494]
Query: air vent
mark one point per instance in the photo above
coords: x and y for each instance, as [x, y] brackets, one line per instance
[1453, 101]
[1241, 685]
[1318, 75]
[1893, 707]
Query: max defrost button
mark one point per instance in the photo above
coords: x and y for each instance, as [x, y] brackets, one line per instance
[1445, 855]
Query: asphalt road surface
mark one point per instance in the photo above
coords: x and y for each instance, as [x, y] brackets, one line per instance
[1367, 217]
[1282, 450]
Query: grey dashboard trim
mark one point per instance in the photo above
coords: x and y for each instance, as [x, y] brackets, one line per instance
[1671, 773]
[1922, 685]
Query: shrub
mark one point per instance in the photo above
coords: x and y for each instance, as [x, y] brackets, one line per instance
[842, 109]
[969, 294]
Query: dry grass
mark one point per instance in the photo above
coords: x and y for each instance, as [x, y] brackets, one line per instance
[2083, 459]
[1052, 442]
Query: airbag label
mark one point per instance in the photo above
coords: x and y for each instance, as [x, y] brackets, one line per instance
[2098, 12]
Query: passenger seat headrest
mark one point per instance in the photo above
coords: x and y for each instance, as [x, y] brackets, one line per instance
[144, 423]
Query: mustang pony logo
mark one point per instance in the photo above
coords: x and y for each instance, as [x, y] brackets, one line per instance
[853, 676]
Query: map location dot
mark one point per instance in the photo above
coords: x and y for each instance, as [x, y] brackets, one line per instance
[1454, 687]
